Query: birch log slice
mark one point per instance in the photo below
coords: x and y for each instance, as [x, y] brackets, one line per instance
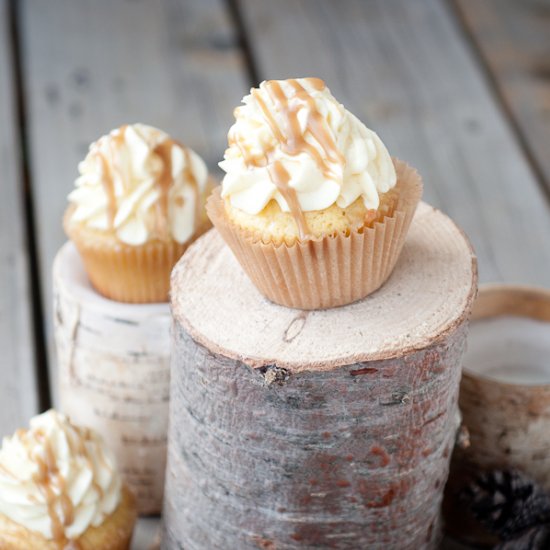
[321, 429]
[114, 372]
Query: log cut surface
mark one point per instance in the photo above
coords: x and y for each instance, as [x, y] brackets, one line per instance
[426, 296]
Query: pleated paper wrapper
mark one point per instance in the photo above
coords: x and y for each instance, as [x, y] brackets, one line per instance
[126, 273]
[325, 272]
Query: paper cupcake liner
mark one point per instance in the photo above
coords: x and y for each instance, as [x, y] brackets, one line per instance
[330, 271]
[126, 273]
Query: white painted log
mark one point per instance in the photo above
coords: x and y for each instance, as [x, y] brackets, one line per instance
[505, 389]
[318, 429]
[114, 373]
[504, 398]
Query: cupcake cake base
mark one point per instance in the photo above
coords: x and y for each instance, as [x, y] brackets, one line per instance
[320, 429]
[114, 372]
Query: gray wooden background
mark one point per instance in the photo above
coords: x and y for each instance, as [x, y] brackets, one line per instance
[458, 88]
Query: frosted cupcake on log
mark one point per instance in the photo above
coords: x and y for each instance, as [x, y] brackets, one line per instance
[60, 490]
[312, 205]
[138, 204]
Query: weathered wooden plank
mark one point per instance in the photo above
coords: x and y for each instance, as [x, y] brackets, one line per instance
[18, 387]
[93, 65]
[513, 39]
[404, 67]
[146, 534]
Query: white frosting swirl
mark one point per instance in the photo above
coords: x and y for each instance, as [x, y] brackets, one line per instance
[360, 166]
[120, 178]
[57, 479]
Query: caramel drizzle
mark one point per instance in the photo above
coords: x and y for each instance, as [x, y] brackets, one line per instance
[6, 472]
[163, 182]
[49, 476]
[294, 142]
[83, 452]
[108, 180]
[109, 188]
[292, 139]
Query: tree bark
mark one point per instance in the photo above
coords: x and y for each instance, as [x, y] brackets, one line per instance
[272, 447]
[114, 370]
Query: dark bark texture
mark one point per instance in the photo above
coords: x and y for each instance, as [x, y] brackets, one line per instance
[350, 458]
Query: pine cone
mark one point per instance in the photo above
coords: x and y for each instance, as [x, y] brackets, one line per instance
[508, 504]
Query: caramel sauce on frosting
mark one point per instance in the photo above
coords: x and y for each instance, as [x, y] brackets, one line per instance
[57, 479]
[294, 136]
[163, 182]
[292, 140]
[109, 188]
[142, 184]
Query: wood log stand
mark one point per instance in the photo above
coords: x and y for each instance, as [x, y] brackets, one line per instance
[114, 374]
[321, 429]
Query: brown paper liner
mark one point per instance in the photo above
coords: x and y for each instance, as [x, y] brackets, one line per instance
[126, 273]
[325, 272]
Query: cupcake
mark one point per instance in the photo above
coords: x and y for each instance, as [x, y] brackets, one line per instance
[137, 205]
[312, 204]
[59, 490]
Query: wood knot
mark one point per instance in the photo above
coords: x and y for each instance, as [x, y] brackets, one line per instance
[274, 374]
[295, 327]
[397, 398]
